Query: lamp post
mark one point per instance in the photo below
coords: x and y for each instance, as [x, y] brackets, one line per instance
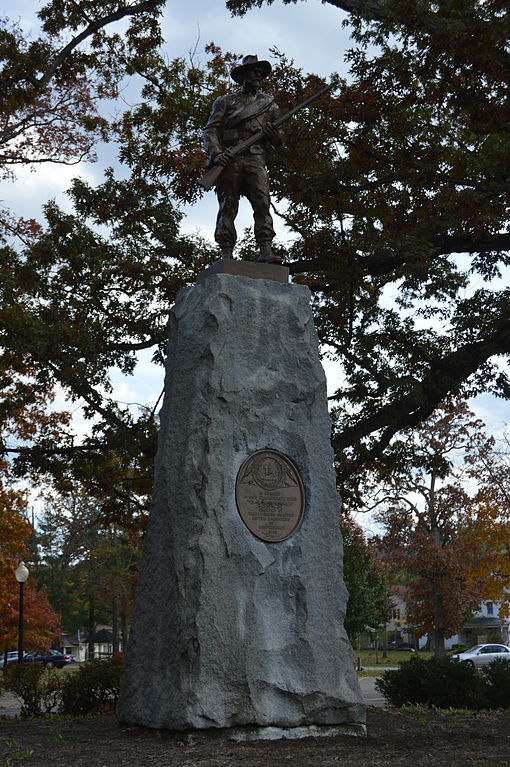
[21, 576]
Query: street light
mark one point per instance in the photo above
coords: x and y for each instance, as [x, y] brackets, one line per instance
[21, 576]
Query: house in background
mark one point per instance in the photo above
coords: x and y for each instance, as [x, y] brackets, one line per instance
[483, 627]
[103, 642]
[77, 644]
[397, 630]
[71, 644]
[395, 633]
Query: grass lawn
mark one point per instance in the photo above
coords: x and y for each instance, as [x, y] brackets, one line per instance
[393, 657]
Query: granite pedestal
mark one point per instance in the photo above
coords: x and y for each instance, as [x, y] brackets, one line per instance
[229, 631]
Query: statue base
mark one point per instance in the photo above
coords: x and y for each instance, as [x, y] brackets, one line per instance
[257, 270]
[254, 734]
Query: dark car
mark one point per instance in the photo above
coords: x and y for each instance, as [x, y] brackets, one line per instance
[51, 659]
[396, 645]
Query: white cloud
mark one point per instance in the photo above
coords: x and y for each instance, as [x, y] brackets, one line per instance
[495, 413]
[310, 33]
[32, 189]
[145, 386]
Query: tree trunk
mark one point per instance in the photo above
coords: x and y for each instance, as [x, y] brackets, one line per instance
[124, 628]
[439, 646]
[92, 628]
[437, 596]
[438, 632]
[115, 625]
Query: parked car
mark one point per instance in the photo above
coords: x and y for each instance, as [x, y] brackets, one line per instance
[396, 644]
[12, 657]
[51, 659]
[483, 654]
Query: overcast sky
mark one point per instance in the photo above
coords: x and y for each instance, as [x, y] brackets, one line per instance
[309, 32]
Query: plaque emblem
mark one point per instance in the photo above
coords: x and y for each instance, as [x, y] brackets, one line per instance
[270, 495]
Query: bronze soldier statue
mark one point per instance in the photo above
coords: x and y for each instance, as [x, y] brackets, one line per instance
[234, 118]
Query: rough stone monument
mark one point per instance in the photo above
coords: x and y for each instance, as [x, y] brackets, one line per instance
[238, 622]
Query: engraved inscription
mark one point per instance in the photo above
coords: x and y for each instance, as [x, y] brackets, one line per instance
[270, 495]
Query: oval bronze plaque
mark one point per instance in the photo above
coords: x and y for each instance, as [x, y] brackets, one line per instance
[270, 495]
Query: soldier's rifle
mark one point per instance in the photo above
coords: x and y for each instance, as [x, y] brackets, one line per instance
[212, 175]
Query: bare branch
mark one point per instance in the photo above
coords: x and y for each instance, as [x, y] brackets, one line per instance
[393, 499]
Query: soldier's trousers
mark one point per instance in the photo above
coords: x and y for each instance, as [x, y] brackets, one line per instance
[245, 176]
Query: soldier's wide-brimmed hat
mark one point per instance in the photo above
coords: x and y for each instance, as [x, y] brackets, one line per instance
[249, 62]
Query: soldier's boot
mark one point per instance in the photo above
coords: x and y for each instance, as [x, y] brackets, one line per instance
[226, 252]
[266, 254]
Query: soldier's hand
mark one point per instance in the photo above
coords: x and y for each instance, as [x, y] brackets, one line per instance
[224, 158]
[271, 133]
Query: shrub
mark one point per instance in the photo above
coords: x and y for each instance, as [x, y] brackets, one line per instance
[496, 678]
[439, 682]
[38, 688]
[94, 687]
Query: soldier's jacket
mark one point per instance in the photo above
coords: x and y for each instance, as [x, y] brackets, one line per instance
[235, 117]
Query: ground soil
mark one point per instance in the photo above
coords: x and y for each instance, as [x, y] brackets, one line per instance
[395, 738]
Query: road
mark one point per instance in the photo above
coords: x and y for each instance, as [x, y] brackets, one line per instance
[9, 705]
[371, 696]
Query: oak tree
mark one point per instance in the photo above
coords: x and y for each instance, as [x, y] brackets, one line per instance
[429, 507]
[398, 220]
[52, 86]
[404, 215]
[488, 520]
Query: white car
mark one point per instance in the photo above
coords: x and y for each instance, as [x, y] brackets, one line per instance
[12, 657]
[483, 654]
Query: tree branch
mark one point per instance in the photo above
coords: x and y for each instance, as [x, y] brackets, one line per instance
[20, 160]
[443, 378]
[79, 386]
[383, 263]
[131, 347]
[93, 27]
[444, 244]
[69, 450]
[373, 9]
[392, 499]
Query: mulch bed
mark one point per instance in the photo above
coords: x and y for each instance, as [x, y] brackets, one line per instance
[395, 739]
